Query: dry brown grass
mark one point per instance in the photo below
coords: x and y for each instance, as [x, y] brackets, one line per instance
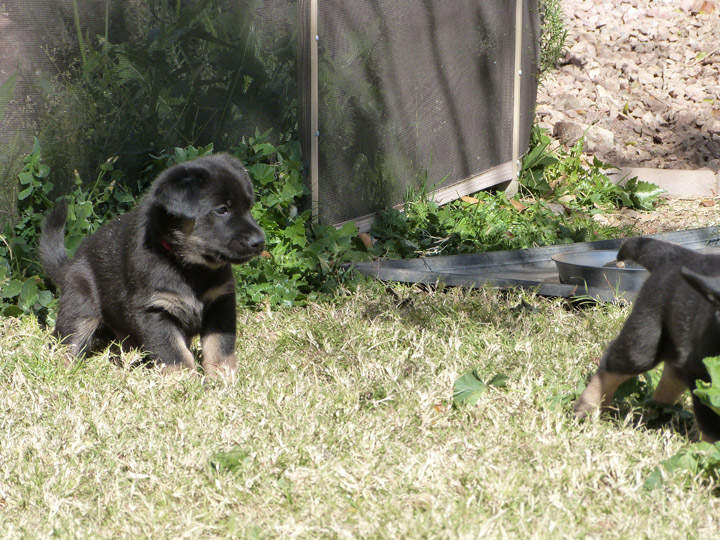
[342, 413]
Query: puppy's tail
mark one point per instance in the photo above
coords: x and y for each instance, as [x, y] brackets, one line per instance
[53, 256]
[652, 253]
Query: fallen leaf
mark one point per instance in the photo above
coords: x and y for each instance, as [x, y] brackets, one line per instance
[707, 8]
[366, 239]
[471, 200]
[467, 390]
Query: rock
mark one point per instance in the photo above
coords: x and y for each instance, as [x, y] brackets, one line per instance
[557, 209]
[601, 220]
[568, 132]
[646, 72]
[568, 101]
[599, 139]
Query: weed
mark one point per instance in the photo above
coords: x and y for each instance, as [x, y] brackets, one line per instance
[563, 176]
[700, 460]
[709, 393]
[490, 222]
[23, 288]
[553, 34]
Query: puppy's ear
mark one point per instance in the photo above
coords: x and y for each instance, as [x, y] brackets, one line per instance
[708, 286]
[179, 190]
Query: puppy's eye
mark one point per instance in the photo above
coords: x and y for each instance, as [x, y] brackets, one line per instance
[222, 209]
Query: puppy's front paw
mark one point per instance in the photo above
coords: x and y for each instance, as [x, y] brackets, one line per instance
[220, 371]
[599, 392]
[583, 407]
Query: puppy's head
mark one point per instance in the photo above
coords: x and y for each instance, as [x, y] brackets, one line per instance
[202, 209]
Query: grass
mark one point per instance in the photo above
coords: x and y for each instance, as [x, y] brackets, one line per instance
[339, 424]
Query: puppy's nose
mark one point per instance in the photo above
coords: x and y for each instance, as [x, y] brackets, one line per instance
[257, 241]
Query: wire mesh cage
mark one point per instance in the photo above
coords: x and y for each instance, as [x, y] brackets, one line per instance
[393, 96]
[132, 78]
[413, 96]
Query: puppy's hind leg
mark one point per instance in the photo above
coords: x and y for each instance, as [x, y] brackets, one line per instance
[79, 316]
[78, 333]
[166, 342]
[670, 387]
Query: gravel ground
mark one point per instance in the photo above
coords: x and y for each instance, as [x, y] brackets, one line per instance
[645, 76]
[641, 79]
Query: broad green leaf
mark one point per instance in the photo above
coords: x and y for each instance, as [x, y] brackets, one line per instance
[28, 294]
[709, 393]
[264, 149]
[12, 310]
[42, 171]
[26, 178]
[467, 390]
[233, 460]
[25, 193]
[700, 458]
[500, 380]
[644, 194]
[11, 288]
[45, 298]
[262, 173]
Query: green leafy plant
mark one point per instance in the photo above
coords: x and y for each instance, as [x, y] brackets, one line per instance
[553, 34]
[302, 258]
[468, 388]
[709, 393]
[24, 290]
[697, 460]
[233, 461]
[484, 222]
[564, 176]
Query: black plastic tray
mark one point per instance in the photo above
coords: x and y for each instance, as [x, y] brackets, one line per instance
[527, 268]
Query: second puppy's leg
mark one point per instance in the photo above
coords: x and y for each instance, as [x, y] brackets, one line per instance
[599, 392]
[670, 387]
[633, 352]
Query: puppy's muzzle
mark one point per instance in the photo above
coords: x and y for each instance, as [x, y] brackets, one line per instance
[248, 246]
[257, 242]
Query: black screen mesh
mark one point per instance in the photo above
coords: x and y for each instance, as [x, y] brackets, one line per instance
[413, 94]
[129, 78]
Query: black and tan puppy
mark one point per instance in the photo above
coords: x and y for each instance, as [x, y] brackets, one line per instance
[674, 319]
[161, 274]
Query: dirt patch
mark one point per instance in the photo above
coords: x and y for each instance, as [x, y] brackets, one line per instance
[671, 214]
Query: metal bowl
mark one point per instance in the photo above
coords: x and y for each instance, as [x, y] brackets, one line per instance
[588, 268]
